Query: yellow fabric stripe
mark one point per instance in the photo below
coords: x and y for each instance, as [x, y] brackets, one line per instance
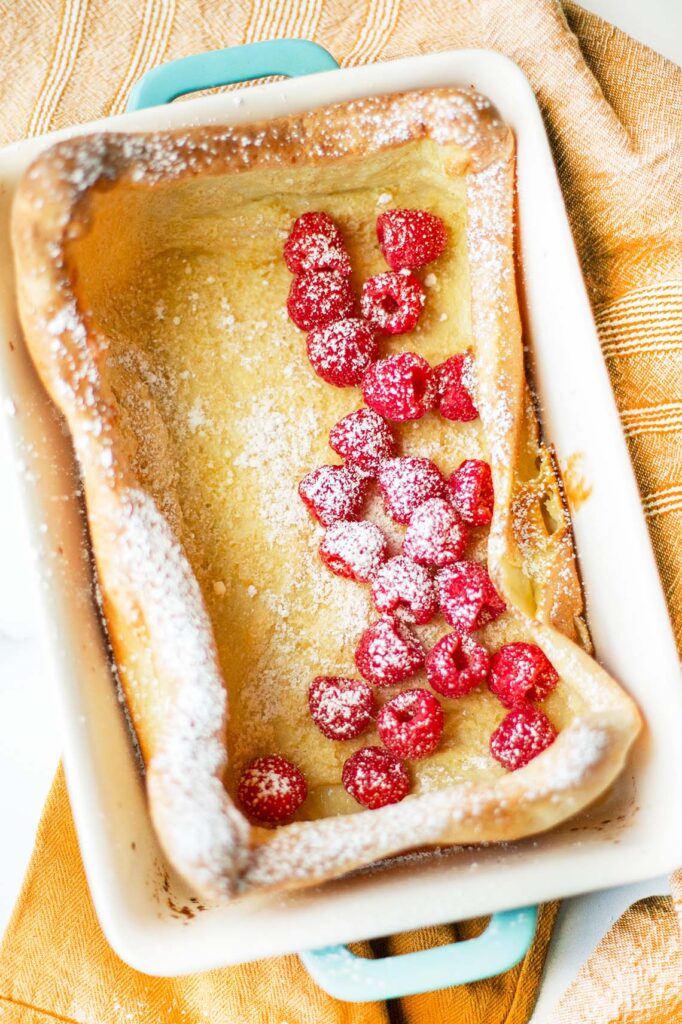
[267, 20]
[662, 290]
[372, 39]
[645, 321]
[622, 348]
[656, 418]
[60, 67]
[302, 20]
[157, 20]
[374, 14]
[663, 501]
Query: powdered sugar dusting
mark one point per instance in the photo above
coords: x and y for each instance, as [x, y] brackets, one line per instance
[461, 116]
[333, 492]
[435, 534]
[196, 820]
[491, 271]
[340, 353]
[341, 708]
[356, 550]
[406, 483]
[332, 846]
[388, 652]
[269, 448]
[315, 243]
[403, 585]
[362, 437]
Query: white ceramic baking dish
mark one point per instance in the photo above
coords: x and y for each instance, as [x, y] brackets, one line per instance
[635, 832]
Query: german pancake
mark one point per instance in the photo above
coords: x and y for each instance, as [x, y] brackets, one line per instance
[153, 296]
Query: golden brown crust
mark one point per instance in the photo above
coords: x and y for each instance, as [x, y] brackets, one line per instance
[530, 554]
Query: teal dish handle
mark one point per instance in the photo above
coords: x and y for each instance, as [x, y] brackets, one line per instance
[290, 57]
[339, 972]
[355, 979]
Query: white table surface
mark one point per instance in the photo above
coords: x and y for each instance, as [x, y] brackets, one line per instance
[29, 748]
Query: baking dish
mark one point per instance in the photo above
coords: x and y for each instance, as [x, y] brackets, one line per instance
[128, 886]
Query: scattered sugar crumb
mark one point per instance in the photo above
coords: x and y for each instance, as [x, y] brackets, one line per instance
[196, 417]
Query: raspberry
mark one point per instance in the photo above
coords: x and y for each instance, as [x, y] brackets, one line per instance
[521, 736]
[468, 598]
[406, 483]
[452, 381]
[354, 550]
[399, 387]
[363, 438]
[457, 665]
[470, 489]
[315, 243]
[411, 724]
[388, 652]
[410, 238]
[435, 534]
[375, 777]
[521, 672]
[393, 302]
[341, 708]
[271, 789]
[342, 352]
[320, 297]
[333, 492]
[401, 583]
